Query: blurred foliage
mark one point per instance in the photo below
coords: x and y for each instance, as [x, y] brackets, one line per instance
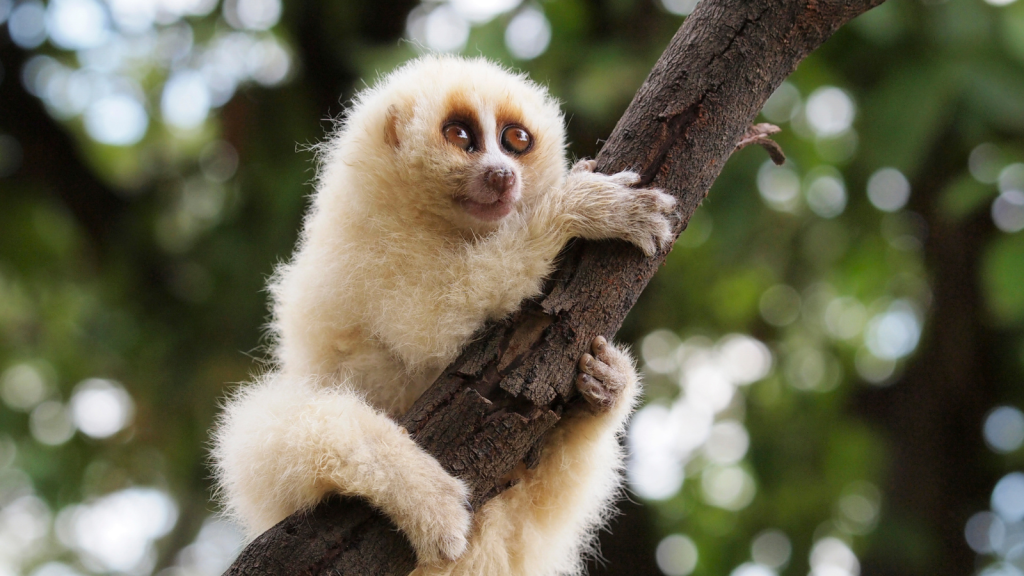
[872, 288]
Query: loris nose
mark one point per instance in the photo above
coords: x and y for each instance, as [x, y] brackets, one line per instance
[500, 180]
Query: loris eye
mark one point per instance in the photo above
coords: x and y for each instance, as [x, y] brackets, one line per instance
[516, 139]
[459, 134]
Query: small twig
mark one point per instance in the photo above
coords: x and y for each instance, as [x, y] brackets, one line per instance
[758, 134]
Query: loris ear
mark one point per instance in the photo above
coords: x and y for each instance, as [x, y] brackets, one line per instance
[392, 119]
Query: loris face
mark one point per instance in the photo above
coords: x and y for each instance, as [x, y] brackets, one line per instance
[476, 143]
[495, 147]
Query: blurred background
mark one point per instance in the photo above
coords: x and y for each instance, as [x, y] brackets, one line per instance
[834, 351]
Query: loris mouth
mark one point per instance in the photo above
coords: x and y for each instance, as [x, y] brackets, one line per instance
[489, 212]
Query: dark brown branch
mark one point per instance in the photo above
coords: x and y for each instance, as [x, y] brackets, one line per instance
[491, 407]
[758, 134]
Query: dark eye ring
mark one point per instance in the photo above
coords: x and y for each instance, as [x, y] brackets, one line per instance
[516, 140]
[460, 135]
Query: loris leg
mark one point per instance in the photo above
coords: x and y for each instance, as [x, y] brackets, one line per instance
[545, 524]
[283, 443]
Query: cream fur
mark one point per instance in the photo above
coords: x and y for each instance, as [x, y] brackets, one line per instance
[390, 280]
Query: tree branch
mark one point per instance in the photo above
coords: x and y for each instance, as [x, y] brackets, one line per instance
[490, 409]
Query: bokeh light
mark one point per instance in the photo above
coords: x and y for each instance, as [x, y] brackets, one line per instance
[985, 163]
[728, 487]
[984, 532]
[77, 24]
[1001, 569]
[118, 120]
[24, 525]
[101, 408]
[483, 11]
[116, 532]
[120, 46]
[888, 189]
[830, 111]
[680, 7]
[826, 192]
[812, 370]
[727, 443]
[528, 34]
[23, 386]
[779, 187]
[1004, 429]
[27, 24]
[252, 14]
[55, 569]
[1012, 177]
[214, 549]
[1008, 497]
[771, 548]
[658, 350]
[894, 333]
[832, 557]
[663, 439]
[873, 369]
[1008, 211]
[859, 507]
[655, 470]
[439, 28]
[186, 100]
[752, 569]
[743, 359]
[676, 555]
[845, 317]
[51, 423]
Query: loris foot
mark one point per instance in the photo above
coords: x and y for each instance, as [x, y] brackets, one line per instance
[434, 512]
[607, 377]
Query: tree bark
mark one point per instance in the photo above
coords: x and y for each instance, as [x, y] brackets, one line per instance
[491, 408]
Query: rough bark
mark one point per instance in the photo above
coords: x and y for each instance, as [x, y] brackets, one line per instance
[490, 409]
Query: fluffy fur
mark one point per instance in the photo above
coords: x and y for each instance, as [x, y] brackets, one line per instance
[395, 270]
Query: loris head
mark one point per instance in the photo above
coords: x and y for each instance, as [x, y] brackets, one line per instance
[461, 140]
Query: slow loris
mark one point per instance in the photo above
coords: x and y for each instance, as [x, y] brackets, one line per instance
[440, 204]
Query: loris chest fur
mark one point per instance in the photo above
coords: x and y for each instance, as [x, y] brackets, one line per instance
[440, 204]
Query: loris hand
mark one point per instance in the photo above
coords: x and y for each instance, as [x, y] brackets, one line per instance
[610, 207]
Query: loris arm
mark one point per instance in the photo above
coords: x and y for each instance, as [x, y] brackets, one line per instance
[598, 206]
[507, 267]
[283, 443]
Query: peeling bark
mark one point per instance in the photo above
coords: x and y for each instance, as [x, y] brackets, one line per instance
[490, 409]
